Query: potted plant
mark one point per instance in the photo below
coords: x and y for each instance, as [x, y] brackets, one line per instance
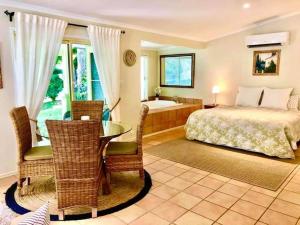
[157, 91]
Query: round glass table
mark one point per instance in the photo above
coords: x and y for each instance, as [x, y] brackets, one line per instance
[109, 130]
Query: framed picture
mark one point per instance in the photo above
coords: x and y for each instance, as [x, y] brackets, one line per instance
[266, 63]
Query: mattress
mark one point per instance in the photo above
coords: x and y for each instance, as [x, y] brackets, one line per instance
[269, 131]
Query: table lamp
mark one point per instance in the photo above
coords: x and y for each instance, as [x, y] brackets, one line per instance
[215, 91]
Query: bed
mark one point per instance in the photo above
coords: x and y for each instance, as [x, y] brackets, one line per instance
[273, 132]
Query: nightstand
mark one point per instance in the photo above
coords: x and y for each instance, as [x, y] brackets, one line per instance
[210, 106]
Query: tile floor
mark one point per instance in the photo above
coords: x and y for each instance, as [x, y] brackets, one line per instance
[182, 195]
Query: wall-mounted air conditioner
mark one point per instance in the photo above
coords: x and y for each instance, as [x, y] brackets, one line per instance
[264, 40]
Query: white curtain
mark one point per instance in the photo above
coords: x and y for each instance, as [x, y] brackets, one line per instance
[106, 45]
[35, 46]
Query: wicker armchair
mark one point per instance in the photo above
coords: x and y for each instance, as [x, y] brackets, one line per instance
[32, 161]
[77, 163]
[93, 109]
[127, 156]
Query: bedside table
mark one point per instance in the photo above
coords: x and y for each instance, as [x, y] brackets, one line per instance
[210, 106]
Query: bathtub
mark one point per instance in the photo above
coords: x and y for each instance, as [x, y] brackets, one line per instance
[158, 104]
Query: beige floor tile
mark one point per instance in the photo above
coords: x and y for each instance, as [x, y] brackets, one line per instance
[130, 214]
[192, 176]
[260, 223]
[290, 196]
[294, 187]
[7, 181]
[150, 219]
[184, 200]
[155, 184]
[169, 211]
[274, 218]
[285, 207]
[183, 166]
[233, 190]
[240, 184]
[148, 160]
[164, 192]
[222, 199]
[166, 161]
[219, 177]
[174, 170]
[150, 202]
[248, 209]
[159, 165]
[105, 220]
[195, 170]
[233, 218]
[179, 183]
[211, 183]
[258, 198]
[199, 191]
[266, 191]
[161, 177]
[191, 218]
[209, 210]
[150, 170]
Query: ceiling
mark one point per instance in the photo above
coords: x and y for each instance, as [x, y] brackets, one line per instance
[201, 20]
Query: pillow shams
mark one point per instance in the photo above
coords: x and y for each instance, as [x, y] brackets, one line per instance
[276, 98]
[248, 96]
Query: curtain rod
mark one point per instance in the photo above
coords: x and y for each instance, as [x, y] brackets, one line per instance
[11, 16]
[79, 25]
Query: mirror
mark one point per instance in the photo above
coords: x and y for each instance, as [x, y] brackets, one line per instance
[177, 70]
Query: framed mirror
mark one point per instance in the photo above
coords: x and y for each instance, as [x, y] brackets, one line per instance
[177, 70]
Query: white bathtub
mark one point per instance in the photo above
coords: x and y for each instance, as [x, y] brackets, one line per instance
[158, 104]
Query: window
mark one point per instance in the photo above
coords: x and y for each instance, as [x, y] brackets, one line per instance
[74, 77]
[177, 70]
[144, 78]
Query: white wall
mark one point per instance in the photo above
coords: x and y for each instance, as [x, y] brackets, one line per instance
[7, 139]
[228, 62]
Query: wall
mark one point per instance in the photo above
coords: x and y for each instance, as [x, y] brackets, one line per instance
[130, 81]
[228, 62]
[152, 69]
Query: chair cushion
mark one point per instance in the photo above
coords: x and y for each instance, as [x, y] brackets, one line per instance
[121, 148]
[39, 152]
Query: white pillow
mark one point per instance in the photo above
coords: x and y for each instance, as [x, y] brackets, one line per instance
[293, 103]
[276, 98]
[248, 96]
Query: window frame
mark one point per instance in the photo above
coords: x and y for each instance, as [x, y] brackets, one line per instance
[192, 55]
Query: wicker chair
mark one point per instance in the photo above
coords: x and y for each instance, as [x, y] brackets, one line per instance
[127, 156]
[33, 161]
[77, 163]
[93, 109]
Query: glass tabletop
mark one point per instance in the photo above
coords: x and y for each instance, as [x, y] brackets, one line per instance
[109, 129]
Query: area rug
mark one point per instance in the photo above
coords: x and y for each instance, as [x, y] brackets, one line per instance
[252, 168]
[127, 189]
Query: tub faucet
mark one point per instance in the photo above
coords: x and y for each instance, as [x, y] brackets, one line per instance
[175, 99]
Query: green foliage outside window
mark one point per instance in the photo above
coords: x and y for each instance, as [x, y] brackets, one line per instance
[56, 84]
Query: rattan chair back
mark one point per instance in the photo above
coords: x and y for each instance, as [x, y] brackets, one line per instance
[93, 109]
[22, 127]
[140, 127]
[77, 161]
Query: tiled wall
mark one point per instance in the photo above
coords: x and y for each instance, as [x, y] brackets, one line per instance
[162, 119]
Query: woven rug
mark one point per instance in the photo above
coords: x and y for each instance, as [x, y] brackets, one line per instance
[127, 189]
[252, 168]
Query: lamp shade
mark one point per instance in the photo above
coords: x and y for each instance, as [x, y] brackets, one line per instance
[215, 89]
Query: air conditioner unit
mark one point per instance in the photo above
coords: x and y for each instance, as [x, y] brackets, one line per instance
[264, 40]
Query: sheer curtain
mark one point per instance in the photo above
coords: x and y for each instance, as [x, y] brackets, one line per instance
[35, 45]
[106, 45]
